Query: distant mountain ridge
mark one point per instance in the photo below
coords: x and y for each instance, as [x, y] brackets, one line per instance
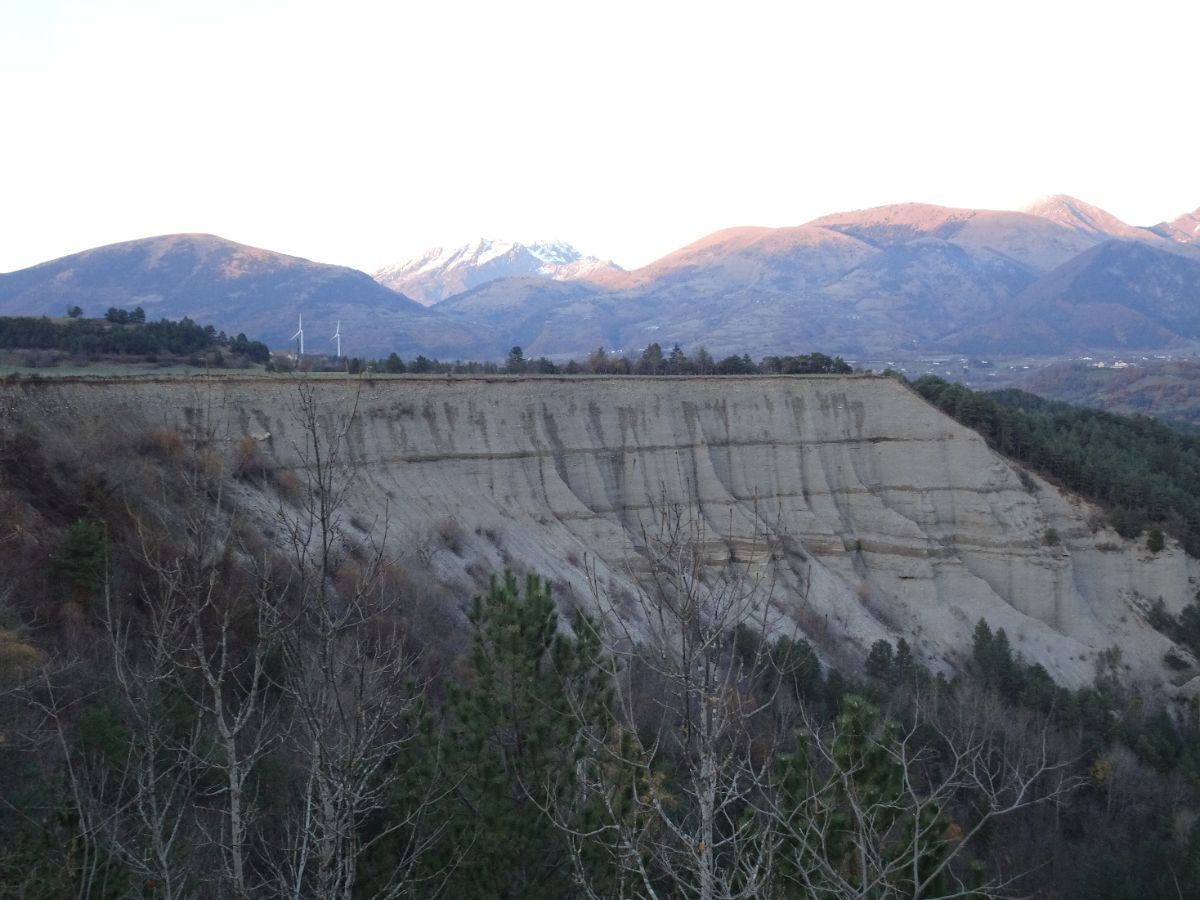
[896, 278]
[238, 289]
[1117, 295]
[905, 278]
[442, 272]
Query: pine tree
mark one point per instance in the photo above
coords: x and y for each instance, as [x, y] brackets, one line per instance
[677, 362]
[881, 660]
[512, 741]
[981, 648]
[906, 666]
[854, 827]
[83, 560]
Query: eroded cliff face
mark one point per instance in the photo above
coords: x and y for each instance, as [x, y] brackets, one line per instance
[863, 512]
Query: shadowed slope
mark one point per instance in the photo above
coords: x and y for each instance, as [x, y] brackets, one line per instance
[235, 287]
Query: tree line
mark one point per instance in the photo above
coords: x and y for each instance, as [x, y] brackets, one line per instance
[124, 333]
[651, 361]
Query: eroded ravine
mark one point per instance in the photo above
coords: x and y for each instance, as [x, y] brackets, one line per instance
[861, 506]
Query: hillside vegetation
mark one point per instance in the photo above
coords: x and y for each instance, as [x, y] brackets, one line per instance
[120, 335]
[1168, 390]
[1145, 472]
[198, 699]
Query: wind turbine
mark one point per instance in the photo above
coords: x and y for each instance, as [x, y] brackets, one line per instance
[300, 334]
[337, 336]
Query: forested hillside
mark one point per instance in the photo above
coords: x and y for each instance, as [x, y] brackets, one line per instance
[1168, 390]
[1145, 472]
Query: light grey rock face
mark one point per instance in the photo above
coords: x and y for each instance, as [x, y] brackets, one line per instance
[864, 512]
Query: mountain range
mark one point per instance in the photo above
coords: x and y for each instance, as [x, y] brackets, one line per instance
[1058, 278]
[237, 289]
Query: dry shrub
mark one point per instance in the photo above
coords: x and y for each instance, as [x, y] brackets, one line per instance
[17, 658]
[162, 442]
[289, 485]
[210, 467]
[564, 594]
[435, 629]
[451, 534]
[623, 601]
[250, 539]
[361, 552]
[249, 462]
[479, 572]
[813, 625]
[348, 579]
[1027, 482]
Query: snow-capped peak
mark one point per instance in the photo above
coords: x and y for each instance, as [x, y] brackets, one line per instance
[482, 251]
[440, 272]
[555, 253]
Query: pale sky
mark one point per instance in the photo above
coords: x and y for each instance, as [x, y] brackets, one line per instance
[360, 133]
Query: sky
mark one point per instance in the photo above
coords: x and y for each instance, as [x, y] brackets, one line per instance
[362, 133]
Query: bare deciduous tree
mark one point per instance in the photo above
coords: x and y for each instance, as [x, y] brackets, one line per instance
[871, 808]
[223, 629]
[351, 684]
[698, 796]
[680, 779]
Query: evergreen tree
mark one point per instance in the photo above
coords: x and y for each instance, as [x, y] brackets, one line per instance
[981, 648]
[677, 362]
[906, 665]
[1155, 542]
[881, 660]
[652, 362]
[83, 559]
[512, 742]
[515, 363]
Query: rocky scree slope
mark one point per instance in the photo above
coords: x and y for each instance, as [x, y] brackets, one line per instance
[861, 511]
